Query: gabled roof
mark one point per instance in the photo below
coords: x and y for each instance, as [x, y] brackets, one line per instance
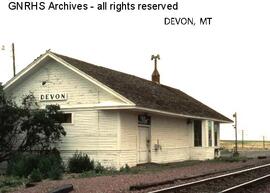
[145, 93]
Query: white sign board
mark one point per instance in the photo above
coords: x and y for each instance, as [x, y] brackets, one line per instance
[53, 97]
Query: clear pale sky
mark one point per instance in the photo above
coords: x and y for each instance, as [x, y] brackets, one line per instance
[224, 65]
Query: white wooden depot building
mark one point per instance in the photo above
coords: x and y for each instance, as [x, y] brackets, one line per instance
[117, 118]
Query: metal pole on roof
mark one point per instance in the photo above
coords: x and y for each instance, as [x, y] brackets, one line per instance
[235, 127]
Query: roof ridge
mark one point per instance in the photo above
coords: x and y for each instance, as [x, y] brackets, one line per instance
[145, 92]
[107, 68]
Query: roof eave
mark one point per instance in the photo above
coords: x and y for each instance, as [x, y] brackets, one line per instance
[183, 115]
[132, 107]
[91, 79]
[50, 54]
[25, 70]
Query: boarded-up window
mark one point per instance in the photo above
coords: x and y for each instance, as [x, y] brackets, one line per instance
[197, 133]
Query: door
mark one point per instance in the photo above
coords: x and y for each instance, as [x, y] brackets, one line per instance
[144, 144]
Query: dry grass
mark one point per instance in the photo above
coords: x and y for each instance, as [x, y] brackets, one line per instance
[247, 145]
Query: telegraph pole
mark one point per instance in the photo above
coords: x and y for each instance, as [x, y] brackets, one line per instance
[235, 127]
[13, 59]
[242, 138]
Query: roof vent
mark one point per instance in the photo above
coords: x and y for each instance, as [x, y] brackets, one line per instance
[155, 74]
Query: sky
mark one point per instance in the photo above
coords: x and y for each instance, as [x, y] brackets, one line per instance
[224, 65]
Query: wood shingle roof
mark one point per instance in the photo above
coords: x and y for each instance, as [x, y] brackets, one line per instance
[145, 93]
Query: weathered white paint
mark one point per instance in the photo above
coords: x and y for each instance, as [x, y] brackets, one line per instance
[174, 135]
[92, 131]
[102, 129]
[61, 80]
[48, 56]
[201, 153]
[144, 144]
[129, 137]
[115, 141]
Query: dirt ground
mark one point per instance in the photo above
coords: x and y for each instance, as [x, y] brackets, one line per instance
[122, 183]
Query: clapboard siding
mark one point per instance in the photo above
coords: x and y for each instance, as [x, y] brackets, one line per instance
[92, 130]
[106, 158]
[202, 153]
[128, 138]
[128, 157]
[170, 155]
[172, 134]
[108, 136]
[60, 79]
[95, 133]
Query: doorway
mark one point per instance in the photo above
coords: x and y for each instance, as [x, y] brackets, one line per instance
[144, 144]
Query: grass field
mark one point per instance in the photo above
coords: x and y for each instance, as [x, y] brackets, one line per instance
[247, 145]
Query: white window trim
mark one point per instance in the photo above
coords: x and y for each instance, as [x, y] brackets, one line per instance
[72, 119]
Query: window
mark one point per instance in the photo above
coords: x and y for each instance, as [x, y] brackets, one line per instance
[67, 118]
[216, 128]
[144, 120]
[197, 133]
[210, 133]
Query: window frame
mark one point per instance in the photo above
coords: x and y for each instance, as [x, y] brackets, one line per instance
[72, 119]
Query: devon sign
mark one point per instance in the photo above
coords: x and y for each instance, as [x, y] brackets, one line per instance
[53, 97]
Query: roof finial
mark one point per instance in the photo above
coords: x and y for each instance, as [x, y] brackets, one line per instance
[155, 75]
